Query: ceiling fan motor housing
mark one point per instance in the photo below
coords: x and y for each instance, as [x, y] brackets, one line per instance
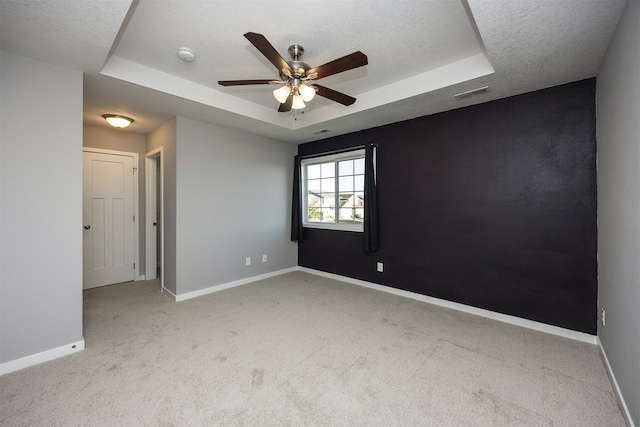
[298, 68]
[296, 51]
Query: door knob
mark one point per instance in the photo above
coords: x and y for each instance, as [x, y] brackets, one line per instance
[155, 223]
[87, 226]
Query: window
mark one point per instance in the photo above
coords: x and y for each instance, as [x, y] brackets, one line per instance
[333, 191]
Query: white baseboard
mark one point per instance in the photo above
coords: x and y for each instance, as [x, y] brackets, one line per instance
[616, 388]
[139, 278]
[221, 287]
[168, 292]
[45, 356]
[525, 323]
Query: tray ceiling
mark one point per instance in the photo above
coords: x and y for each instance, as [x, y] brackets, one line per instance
[420, 53]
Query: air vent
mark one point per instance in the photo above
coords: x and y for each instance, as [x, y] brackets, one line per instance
[318, 132]
[473, 92]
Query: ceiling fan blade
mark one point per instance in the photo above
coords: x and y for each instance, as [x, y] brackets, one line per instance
[286, 106]
[247, 82]
[262, 44]
[334, 95]
[354, 60]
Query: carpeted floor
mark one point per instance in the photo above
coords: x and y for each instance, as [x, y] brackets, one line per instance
[304, 350]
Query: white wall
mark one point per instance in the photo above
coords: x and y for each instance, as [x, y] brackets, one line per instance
[41, 207]
[233, 202]
[120, 140]
[165, 136]
[618, 121]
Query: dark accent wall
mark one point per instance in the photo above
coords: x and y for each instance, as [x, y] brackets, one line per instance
[492, 206]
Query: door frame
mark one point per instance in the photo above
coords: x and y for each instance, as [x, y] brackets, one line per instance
[136, 228]
[152, 204]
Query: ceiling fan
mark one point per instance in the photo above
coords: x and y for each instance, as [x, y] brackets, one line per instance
[298, 77]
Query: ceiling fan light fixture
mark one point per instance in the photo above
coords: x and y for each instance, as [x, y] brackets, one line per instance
[117, 121]
[298, 102]
[282, 94]
[307, 92]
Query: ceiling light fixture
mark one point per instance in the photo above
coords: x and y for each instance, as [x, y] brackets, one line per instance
[282, 94]
[298, 101]
[295, 79]
[117, 121]
[301, 93]
[307, 92]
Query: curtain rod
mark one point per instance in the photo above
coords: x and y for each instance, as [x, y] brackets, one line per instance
[342, 150]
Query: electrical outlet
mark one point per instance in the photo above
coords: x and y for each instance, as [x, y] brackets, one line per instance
[248, 261]
[264, 258]
[380, 267]
[603, 318]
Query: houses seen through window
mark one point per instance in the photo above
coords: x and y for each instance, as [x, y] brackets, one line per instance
[333, 188]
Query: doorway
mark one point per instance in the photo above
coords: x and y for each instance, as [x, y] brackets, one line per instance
[154, 223]
[109, 210]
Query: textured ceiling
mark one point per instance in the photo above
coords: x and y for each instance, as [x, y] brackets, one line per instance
[420, 54]
[70, 33]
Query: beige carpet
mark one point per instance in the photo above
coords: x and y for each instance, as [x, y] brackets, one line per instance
[304, 350]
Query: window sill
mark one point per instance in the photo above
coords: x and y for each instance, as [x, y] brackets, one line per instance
[357, 228]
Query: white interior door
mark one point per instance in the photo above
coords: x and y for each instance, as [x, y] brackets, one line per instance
[151, 226]
[108, 235]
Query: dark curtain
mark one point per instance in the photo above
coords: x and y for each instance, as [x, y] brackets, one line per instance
[296, 205]
[371, 238]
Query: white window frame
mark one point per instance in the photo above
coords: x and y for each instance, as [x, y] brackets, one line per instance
[348, 155]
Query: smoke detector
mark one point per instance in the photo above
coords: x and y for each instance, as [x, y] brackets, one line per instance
[186, 54]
